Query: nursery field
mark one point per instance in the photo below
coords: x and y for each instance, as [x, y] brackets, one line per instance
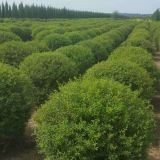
[79, 89]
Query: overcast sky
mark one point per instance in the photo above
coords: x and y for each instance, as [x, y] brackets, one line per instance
[125, 6]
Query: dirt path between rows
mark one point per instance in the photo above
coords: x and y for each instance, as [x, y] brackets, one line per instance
[154, 151]
[24, 149]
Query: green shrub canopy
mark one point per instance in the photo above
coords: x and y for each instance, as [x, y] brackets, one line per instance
[16, 100]
[98, 49]
[55, 41]
[74, 36]
[140, 37]
[82, 56]
[8, 36]
[24, 33]
[137, 55]
[125, 72]
[47, 70]
[14, 52]
[94, 119]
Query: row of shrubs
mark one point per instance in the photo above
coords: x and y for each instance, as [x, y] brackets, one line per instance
[101, 28]
[69, 26]
[141, 37]
[68, 62]
[39, 75]
[14, 51]
[23, 32]
[106, 114]
[54, 40]
[15, 33]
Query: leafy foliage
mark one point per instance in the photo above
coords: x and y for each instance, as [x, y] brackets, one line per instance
[55, 41]
[14, 52]
[16, 100]
[125, 72]
[139, 56]
[8, 36]
[46, 70]
[82, 56]
[94, 119]
[23, 32]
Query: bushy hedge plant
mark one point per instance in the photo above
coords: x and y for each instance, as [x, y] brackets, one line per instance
[102, 45]
[75, 36]
[94, 119]
[37, 30]
[46, 70]
[41, 35]
[14, 52]
[97, 48]
[55, 41]
[36, 46]
[140, 38]
[139, 56]
[125, 72]
[8, 36]
[82, 56]
[16, 100]
[25, 33]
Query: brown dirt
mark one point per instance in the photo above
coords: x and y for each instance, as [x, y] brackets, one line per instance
[24, 149]
[154, 150]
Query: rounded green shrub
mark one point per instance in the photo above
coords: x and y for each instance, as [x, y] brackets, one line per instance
[36, 46]
[140, 38]
[37, 30]
[24, 33]
[16, 100]
[97, 48]
[41, 35]
[82, 56]
[139, 56]
[46, 70]
[55, 41]
[94, 119]
[14, 52]
[125, 72]
[75, 36]
[8, 36]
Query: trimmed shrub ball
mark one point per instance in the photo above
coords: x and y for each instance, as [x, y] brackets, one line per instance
[74, 36]
[41, 35]
[94, 119]
[125, 72]
[47, 70]
[98, 49]
[139, 56]
[55, 41]
[16, 100]
[140, 37]
[36, 46]
[82, 56]
[25, 33]
[8, 36]
[14, 52]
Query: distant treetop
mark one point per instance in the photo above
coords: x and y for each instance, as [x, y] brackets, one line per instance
[156, 15]
[44, 12]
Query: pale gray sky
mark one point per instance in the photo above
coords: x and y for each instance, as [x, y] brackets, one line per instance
[125, 6]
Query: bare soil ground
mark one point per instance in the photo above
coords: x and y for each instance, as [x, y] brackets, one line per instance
[154, 151]
[23, 149]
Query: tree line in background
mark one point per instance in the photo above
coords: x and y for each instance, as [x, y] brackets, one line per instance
[34, 11]
[156, 15]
